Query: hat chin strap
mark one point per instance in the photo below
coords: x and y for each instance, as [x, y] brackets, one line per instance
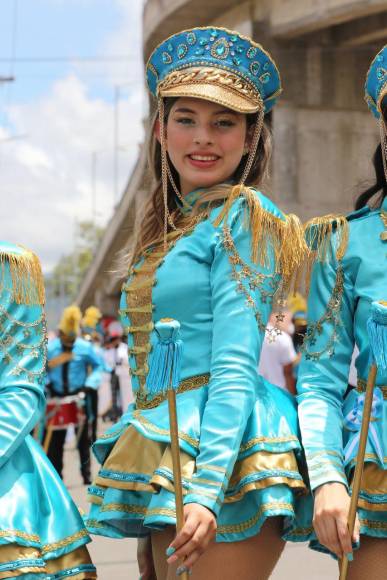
[254, 145]
[383, 142]
[166, 173]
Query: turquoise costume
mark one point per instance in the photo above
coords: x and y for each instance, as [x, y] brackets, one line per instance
[36, 541]
[216, 273]
[349, 275]
[238, 435]
[85, 359]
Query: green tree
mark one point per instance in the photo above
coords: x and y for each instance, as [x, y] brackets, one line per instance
[71, 268]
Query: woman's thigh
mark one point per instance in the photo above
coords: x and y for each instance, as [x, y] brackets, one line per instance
[251, 559]
[370, 561]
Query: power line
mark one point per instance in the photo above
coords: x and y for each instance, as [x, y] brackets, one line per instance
[70, 59]
[10, 76]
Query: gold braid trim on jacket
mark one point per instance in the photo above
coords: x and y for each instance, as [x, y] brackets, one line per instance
[26, 284]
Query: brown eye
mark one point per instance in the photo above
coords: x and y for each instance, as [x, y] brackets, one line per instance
[225, 123]
[184, 121]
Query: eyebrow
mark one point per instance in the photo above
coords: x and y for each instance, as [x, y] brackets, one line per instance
[220, 112]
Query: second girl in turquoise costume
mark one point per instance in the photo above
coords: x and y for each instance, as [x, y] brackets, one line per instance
[215, 264]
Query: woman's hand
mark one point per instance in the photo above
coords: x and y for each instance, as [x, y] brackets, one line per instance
[145, 559]
[330, 521]
[197, 533]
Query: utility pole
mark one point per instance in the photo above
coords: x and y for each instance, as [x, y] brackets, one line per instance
[94, 187]
[116, 129]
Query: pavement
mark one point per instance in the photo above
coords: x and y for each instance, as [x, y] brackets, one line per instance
[116, 559]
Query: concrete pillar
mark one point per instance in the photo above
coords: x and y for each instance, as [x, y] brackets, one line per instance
[238, 18]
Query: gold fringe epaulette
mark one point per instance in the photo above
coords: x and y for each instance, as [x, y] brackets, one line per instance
[284, 235]
[319, 231]
[26, 278]
[321, 247]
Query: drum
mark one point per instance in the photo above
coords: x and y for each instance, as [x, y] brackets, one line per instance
[61, 412]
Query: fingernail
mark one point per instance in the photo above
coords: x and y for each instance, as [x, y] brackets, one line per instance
[181, 570]
[170, 551]
[350, 557]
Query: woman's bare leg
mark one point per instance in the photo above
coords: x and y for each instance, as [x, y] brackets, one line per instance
[251, 559]
[370, 561]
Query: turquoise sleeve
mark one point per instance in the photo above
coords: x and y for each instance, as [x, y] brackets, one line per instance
[239, 319]
[324, 370]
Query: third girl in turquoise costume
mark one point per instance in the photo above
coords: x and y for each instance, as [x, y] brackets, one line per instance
[350, 273]
[42, 535]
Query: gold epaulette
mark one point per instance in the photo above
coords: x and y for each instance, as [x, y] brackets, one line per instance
[283, 233]
[318, 234]
[322, 247]
[25, 282]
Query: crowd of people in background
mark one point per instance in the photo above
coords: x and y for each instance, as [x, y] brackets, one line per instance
[87, 377]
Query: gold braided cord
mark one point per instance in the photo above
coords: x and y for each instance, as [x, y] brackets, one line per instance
[174, 186]
[27, 286]
[383, 143]
[284, 236]
[164, 171]
[254, 143]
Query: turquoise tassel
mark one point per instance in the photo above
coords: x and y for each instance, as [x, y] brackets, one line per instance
[164, 372]
[377, 332]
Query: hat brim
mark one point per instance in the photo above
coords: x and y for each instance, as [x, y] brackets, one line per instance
[222, 95]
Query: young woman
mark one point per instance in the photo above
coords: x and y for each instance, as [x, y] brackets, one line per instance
[348, 278]
[42, 536]
[214, 264]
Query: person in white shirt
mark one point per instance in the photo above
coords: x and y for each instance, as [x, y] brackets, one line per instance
[278, 357]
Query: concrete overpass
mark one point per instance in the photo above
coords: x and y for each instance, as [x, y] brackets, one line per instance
[324, 135]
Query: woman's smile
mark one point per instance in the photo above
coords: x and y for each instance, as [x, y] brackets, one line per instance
[203, 160]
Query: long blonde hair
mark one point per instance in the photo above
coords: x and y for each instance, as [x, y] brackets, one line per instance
[150, 226]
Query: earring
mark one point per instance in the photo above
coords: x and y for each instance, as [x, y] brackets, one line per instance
[246, 149]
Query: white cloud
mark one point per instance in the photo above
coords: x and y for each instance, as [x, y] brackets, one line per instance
[46, 178]
[33, 158]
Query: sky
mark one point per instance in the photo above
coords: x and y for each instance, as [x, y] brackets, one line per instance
[71, 61]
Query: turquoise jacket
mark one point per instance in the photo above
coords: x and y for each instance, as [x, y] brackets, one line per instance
[23, 354]
[222, 299]
[343, 287]
[85, 359]
[33, 500]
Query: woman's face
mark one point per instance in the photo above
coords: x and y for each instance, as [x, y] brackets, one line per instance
[205, 142]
